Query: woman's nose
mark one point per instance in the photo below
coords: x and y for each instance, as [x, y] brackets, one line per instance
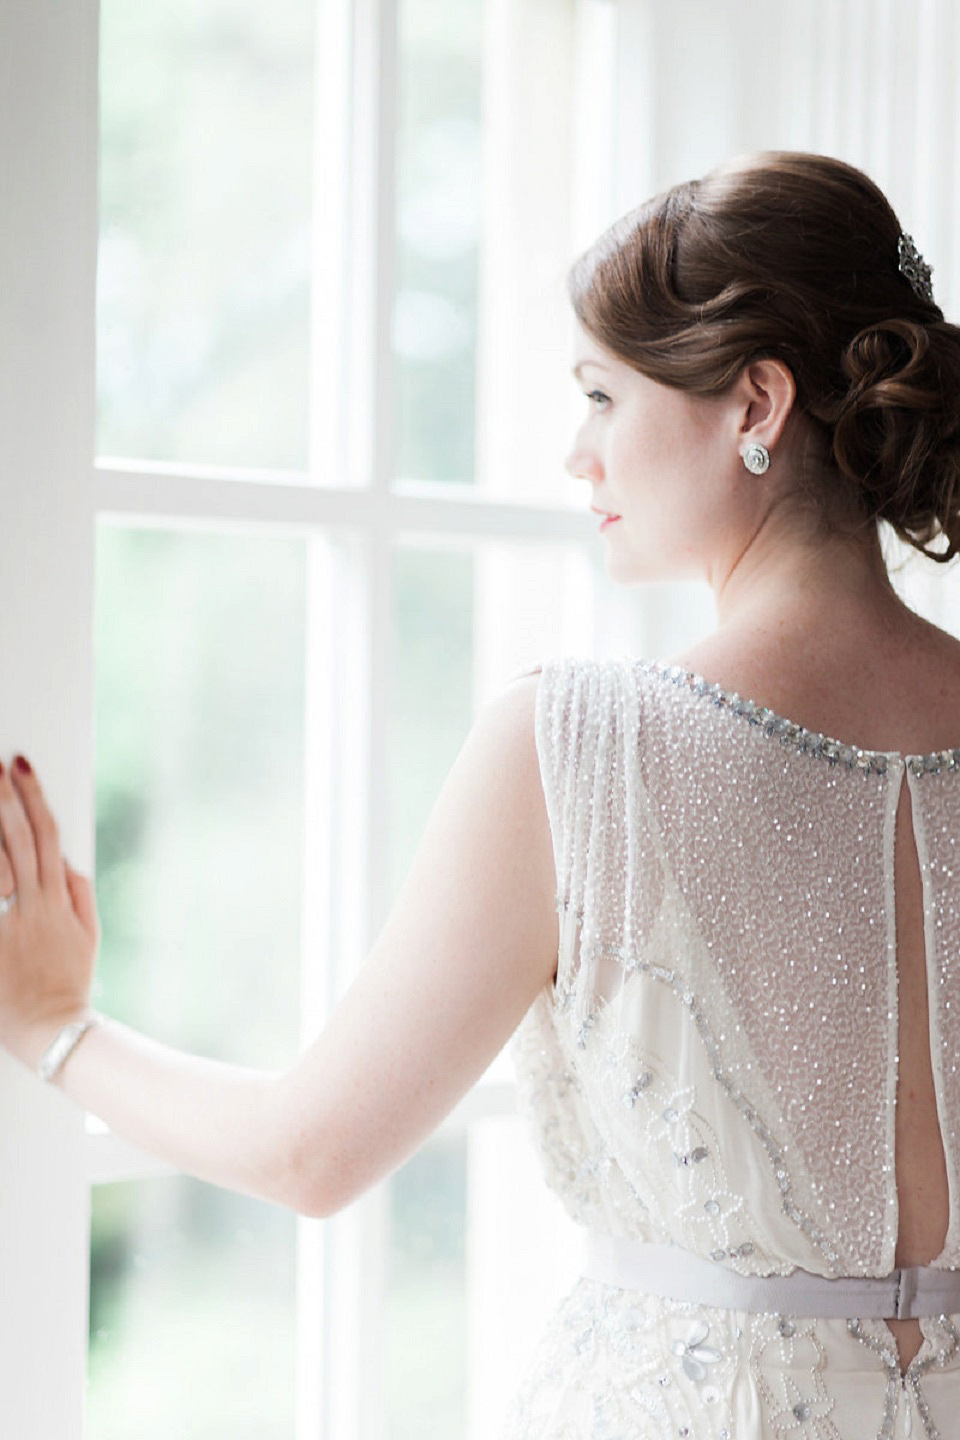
[581, 464]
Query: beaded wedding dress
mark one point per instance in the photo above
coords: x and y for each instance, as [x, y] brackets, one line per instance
[715, 1067]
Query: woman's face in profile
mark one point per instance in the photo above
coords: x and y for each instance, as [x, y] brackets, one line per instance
[664, 460]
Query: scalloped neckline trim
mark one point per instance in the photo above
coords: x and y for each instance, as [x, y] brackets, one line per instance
[798, 737]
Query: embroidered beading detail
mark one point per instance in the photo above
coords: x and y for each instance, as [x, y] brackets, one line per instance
[748, 1109]
[897, 1383]
[798, 737]
[794, 1409]
[693, 1354]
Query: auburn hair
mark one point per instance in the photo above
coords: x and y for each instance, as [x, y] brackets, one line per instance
[794, 256]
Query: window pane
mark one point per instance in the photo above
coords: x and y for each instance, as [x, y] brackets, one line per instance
[203, 284]
[431, 688]
[438, 168]
[465, 619]
[192, 1314]
[426, 1295]
[199, 654]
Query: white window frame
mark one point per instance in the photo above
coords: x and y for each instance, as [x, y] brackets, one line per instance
[54, 498]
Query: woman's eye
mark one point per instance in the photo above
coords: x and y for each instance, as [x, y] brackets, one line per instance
[597, 395]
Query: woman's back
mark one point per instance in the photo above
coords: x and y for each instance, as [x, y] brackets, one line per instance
[897, 690]
[717, 1069]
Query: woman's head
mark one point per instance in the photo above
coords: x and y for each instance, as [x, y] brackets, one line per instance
[765, 302]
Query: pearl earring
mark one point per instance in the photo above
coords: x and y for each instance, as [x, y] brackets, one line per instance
[757, 459]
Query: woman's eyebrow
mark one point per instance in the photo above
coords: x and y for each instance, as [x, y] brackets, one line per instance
[578, 368]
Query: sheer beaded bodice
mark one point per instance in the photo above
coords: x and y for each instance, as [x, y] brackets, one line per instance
[715, 1066]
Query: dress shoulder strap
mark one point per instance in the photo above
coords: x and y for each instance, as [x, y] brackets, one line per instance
[587, 724]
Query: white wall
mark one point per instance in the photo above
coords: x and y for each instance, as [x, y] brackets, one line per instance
[48, 135]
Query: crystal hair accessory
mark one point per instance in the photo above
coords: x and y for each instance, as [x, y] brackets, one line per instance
[915, 268]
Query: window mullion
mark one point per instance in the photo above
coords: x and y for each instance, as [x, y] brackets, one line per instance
[342, 1261]
[369, 392]
[372, 450]
[331, 239]
[190, 498]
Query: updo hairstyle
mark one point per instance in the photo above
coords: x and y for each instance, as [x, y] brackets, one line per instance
[793, 256]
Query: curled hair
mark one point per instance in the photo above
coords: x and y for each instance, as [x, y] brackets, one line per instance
[794, 257]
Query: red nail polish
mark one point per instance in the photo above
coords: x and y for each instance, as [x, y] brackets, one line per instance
[22, 764]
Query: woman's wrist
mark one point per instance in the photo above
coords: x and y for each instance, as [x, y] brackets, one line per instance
[63, 1044]
[42, 1034]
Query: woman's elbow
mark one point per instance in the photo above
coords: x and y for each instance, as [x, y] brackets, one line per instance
[316, 1203]
[311, 1190]
[316, 1174]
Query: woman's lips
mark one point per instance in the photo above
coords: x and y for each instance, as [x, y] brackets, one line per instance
[610, 520]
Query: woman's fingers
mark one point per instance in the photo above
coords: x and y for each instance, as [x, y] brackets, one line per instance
[8, 881]
[18, 837]
[84, 904]
[33, 836]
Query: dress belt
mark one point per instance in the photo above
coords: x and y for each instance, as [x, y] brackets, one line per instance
[676, 1274]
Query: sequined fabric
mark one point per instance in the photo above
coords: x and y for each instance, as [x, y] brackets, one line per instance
[716, 1065]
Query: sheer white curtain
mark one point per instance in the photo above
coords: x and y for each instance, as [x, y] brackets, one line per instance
[870, 81]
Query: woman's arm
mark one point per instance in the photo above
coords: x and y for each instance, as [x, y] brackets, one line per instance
[470, 942]
[211, 1119]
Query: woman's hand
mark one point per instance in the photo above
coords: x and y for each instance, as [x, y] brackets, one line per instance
[49, 939]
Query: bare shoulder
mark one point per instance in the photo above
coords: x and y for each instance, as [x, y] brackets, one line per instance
[514, 708]
[898, 690]
[509, 717]
[494, 799]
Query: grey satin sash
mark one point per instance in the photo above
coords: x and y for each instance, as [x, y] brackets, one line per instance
[676, 1274]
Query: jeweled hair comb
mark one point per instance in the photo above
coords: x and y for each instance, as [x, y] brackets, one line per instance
[915, 268]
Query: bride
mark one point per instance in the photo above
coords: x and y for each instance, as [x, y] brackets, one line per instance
[714, 903]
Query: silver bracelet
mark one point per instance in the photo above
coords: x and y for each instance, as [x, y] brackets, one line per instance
[63, 1044]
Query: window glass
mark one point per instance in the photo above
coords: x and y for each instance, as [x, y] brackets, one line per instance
[203, 290]
[199, 685]
[426, 1294]
[438, 169]
[466, 617]
[199, 738]
[192, 1313]
[432, 610]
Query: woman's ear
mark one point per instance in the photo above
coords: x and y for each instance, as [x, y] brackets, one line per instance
[768, 393]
